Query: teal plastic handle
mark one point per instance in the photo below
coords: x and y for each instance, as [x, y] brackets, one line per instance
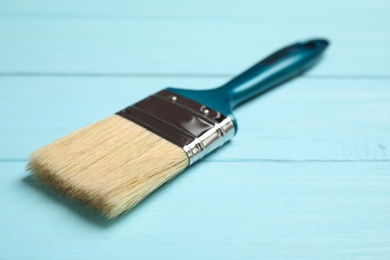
[263, 76]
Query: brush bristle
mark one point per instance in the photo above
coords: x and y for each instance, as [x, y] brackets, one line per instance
[109, 166]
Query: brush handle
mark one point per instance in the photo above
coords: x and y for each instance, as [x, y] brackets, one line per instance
[273, 70]
[268, 73]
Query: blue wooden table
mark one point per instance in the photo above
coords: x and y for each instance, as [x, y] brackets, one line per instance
[307, 176]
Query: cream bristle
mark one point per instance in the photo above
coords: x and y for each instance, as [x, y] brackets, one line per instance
[109, 166]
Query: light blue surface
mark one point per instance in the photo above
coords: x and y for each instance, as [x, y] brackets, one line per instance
[307, 176]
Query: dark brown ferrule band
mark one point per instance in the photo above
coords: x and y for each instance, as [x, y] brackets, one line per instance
[184, 122]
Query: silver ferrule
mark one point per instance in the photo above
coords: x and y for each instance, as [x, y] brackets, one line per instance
[197, 129]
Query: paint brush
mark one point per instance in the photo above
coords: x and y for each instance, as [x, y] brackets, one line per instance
[113, 164]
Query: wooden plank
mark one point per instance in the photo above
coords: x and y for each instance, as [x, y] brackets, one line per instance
[258, 210]
[306, 119]
[76, 38]
[234, 9]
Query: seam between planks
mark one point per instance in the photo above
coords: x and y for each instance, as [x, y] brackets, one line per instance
[170, 17]
[13, 160]
[169, 75]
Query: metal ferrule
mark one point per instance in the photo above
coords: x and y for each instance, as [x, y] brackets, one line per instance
[197, 129]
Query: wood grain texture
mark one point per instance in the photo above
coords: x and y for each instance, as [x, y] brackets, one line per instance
[306, 177]
[199, 38]
[234, 210]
